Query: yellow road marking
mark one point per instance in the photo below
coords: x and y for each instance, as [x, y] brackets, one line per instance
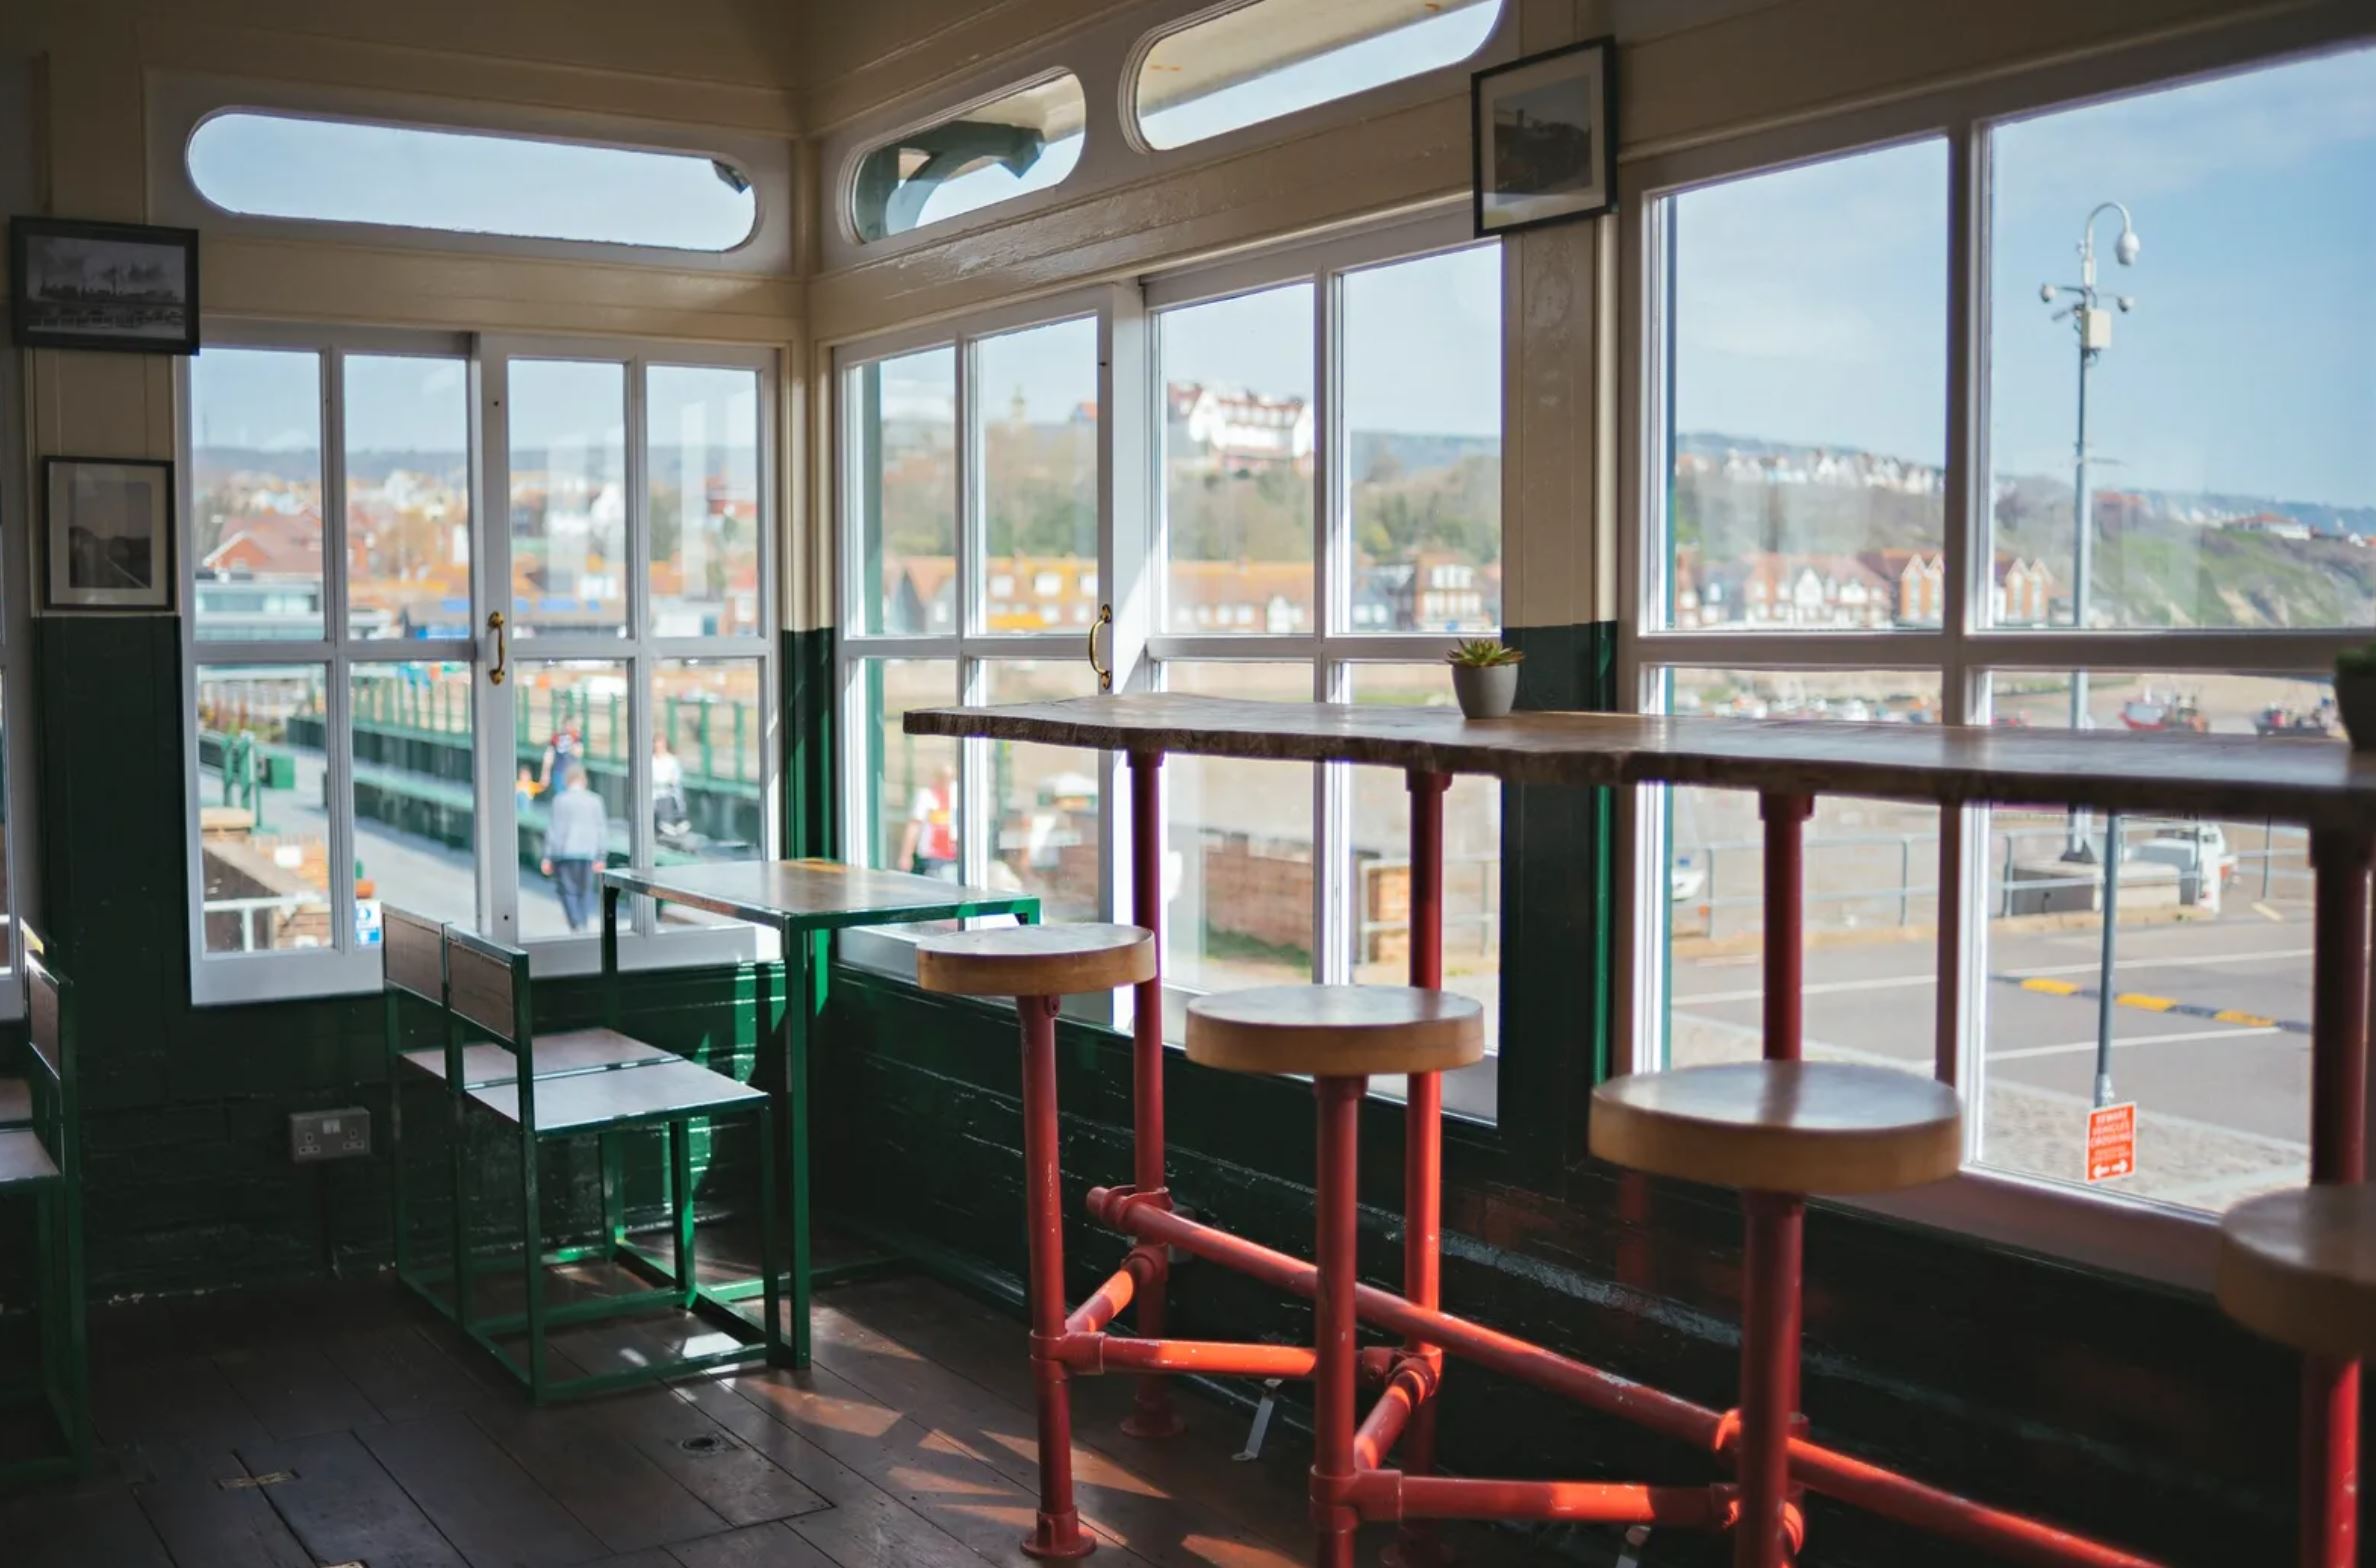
[2234, 1015]
[2151, 1004]
[2050, 987]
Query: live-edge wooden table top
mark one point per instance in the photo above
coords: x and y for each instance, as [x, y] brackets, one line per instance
[814, 895]
[2318, 783]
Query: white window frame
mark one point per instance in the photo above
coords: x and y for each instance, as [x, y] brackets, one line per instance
[1333, 647]
[969, 644]
[2151, 1240]
[346, 967]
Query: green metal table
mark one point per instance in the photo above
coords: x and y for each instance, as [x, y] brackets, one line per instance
[804, 902]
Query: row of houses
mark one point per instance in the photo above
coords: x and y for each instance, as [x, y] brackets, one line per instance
[1432, 591]
[1868, 591]
[1846, 468]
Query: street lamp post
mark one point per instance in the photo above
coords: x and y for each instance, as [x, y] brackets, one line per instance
[2091, 325]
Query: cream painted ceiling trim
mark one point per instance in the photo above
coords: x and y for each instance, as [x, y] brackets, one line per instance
[851, 74]
[289, 280]
[461, 74]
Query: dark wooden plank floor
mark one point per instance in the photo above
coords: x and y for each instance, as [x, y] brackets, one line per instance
[347, 1425]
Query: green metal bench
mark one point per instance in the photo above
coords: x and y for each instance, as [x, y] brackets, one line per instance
[579, 1083]
[41, 1158]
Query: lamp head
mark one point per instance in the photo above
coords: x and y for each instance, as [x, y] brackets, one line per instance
[2126, 247]
[2046, 293]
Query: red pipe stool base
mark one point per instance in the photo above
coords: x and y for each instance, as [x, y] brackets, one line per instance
[1152, 1419]
[1059, 1537]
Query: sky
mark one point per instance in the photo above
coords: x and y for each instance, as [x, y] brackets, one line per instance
[1810, 301]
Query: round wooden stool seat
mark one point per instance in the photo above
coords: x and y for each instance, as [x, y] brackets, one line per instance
[2300, 1267]
[1035, 960]
[1336, 1031]
[1795, 1127]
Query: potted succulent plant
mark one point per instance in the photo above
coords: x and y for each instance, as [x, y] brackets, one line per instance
[2355, 695]
[1485, 677]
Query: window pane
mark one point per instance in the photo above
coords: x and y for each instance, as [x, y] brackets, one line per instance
[1237, 858]
[7, 879]
[256, 536]
[709, 760]
[407, 496]
[912, 815]
[1807, 334]
[2219, 432]
[1423, 403]
[2213, 916]
[1038, 417]
[1871, 906]
[904, 429]
[1237, 459]
[1274, 57]
[575, 736]
[1024, 142]
[263, 837]
[1379, 875]
[703, 463]
[470, 182]
[1046, 797]
[568, 496]
[416, 838]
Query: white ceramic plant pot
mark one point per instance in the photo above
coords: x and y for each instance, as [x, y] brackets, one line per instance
[1485, 690]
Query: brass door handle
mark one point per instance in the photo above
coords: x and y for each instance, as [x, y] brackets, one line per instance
[1105, 617]
[502, 651]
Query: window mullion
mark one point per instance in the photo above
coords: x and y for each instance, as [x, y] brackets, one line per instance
[338, 760]
[635, 653]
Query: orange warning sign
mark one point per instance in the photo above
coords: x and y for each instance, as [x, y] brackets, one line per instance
[2112, 1141]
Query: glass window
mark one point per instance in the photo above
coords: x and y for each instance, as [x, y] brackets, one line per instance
[256, 489]
[1038, 421]
[1238, 441]
[1872, 880]
[568, 496]
[904, 463]
[407, 495]
[2194, 382]
[1423, 403]
[576, 736]
[1238, 852]
[702, 464]
[470, 182]
[2210, 957]
[914, 816]
[1045, 797]
[1807, 320]
[1259, 61]
[416, 819]
[1026, 141]
[263, 837]
[710, 735]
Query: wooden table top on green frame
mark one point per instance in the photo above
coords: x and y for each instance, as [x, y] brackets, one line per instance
[804, 902]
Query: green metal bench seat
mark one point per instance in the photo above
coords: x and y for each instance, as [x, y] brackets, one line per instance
[16, 1102]
[41, 1162]
[23, 1159]
[557, 1055]
[573, 1084]
[631, 1096]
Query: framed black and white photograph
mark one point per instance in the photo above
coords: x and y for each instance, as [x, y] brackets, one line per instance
[1545, 130]
[123, 286]
[107, 539]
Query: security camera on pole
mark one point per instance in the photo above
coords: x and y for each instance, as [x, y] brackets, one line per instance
[2092, 326]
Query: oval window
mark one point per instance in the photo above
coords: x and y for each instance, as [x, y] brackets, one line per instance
[468, 182]
[1026, 141]
[1274, 57]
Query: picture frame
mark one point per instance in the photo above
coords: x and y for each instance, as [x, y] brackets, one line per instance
[107, 535]
[1543, 132]
[116, 287]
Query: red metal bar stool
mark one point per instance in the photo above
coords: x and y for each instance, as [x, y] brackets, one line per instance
[1778, 1131]
[1038, 966]
[1340, 1035]
[2299, 1267]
